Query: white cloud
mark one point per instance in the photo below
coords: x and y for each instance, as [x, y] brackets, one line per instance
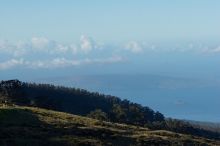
[57, 62]
[63, 62]
[5, 46]
[86, 44]
[134, 47]
[11, 63]
[21, 48]
[210, 50]
[60, 48]
[15, 50]
[215, 50]
[113, 59]
[73, 48]
[40, 52]
[40, 42]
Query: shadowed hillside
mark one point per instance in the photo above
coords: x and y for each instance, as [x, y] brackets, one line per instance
[38, 127]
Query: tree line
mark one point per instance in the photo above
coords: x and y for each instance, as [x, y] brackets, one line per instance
[78, 101]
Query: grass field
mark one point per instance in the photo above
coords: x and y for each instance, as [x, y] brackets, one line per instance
[35, 127]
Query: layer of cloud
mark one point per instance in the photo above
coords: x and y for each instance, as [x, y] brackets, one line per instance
[44, 45]
[41, 52]
[215, 50]
[11, 63]
[134, 47]
[63, 62]
[57, 62]
[86, 44]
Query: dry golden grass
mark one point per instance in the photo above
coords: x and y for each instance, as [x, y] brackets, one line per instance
[38, 126]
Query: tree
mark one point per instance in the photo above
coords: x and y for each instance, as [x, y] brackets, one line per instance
[158, 116]
[98, 114]
[119, 113]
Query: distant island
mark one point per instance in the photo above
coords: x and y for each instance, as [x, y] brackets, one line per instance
[44, 114]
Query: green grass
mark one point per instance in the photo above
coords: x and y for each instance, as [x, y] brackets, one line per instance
[24, 126]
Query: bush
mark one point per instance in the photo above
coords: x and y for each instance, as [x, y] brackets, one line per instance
[98, 114]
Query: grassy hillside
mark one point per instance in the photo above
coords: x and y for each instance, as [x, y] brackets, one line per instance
[21, 125]
[94, 105]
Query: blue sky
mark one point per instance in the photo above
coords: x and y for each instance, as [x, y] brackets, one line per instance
[144, 36]
[113, 20]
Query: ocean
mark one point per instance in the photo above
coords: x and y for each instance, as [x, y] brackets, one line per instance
[181, 98]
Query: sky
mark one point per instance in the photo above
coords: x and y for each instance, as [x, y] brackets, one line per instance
[89, 37]
[115, 20]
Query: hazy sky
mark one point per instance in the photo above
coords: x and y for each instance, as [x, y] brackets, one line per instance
[97, 36]
[113, 20]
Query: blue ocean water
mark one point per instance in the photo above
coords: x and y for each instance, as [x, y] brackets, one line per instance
[182, 98]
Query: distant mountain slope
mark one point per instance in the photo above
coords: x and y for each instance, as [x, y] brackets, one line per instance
[38, 127]
[206, 125]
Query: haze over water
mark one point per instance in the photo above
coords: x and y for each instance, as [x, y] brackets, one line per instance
[175, 97]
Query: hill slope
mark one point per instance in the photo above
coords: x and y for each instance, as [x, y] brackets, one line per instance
[94, 105]
[35, 126]
[76, 101]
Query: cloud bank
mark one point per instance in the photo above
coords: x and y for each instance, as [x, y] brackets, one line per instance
[41, 52]
[134, 47]
[56, 62]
